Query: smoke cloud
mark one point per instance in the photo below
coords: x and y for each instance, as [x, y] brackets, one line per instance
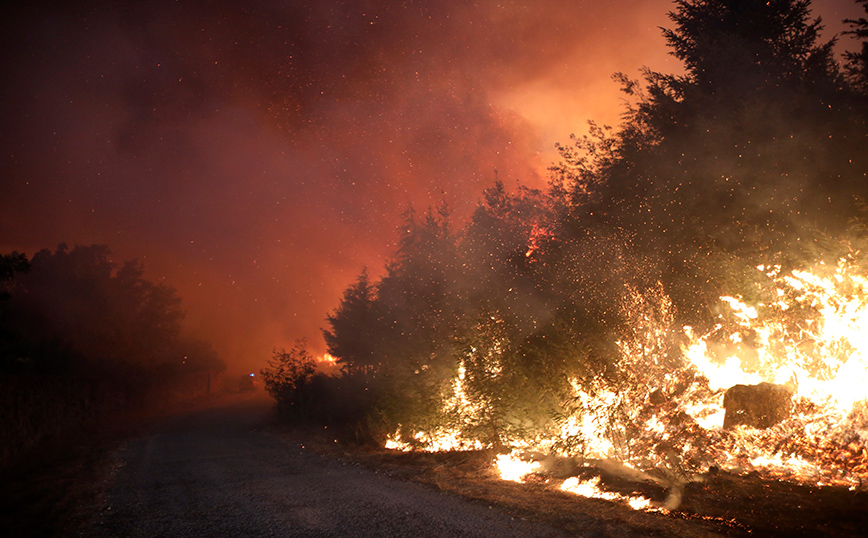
[258, 157]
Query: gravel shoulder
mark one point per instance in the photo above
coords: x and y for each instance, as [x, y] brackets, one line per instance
[227, 472]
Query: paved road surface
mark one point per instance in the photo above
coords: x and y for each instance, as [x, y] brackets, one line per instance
[219, 473]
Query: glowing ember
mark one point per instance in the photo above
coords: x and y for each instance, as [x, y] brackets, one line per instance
[511, 467]
[537, 236]
[591, 488]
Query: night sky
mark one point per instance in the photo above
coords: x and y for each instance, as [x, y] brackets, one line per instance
[258, 155]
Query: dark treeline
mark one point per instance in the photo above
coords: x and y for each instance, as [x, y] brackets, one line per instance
[74, 311]
[81, 336]
[756, 154]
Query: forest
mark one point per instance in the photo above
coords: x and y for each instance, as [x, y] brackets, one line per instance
[720, 181]
[82, 337]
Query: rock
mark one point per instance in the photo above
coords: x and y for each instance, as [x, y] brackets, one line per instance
[760, 406]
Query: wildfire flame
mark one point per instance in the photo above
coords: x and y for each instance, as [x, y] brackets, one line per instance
[511, 467]
[808, 335]
[591, 488]
[446, 438]
[327, 364]
[812, 339]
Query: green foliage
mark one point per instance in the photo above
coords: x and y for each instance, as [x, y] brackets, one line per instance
[400, 335]
[420, 296]
[758, 148]
[288, 377]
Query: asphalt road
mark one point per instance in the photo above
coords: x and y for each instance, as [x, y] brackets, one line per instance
[222, 472]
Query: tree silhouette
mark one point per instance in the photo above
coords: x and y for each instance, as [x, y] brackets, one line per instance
[753, 152]
[355, 328]
[419, 293]
[77, 309]
[735, 48]
[9, 265]
[857, 62]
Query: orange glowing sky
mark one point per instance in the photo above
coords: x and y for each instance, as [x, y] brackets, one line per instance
[258, 157]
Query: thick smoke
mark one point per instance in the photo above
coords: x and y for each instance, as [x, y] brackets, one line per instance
[258, 157]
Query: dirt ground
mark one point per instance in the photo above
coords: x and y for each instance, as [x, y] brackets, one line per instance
[721, 504]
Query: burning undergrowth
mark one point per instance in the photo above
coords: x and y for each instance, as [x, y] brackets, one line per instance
[776, 388]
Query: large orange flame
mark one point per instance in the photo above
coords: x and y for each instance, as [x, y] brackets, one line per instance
[809, 334]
